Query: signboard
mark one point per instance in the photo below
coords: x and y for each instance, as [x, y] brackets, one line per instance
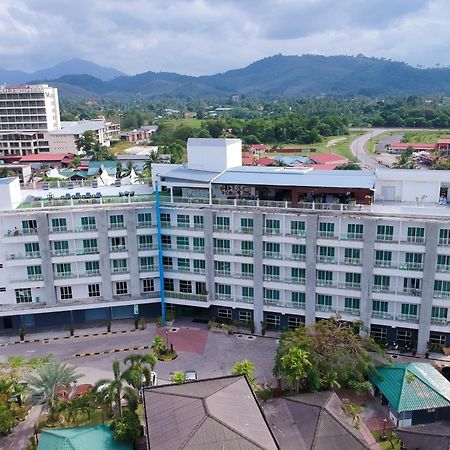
[136, 310]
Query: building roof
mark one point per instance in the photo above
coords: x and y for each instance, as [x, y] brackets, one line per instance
[413, 145]
[99, 437]
[305, 177]
[211, 142]
[444, 141]
[265, 161]
[312, 421]
[97, 166]
[424, 437]
[289, 160]
[79, 127]
[47, 157]
[7, 180]
[209, 414]
[325, 158]
[412, 386]
[184, 174]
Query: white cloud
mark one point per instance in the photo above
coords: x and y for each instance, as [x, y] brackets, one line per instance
[206, 36]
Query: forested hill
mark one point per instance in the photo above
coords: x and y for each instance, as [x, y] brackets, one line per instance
[275, 76]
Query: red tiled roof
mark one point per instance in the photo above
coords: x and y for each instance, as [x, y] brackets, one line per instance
[327, 158]
[46, 157]
[265, 161]
[444, 141]
[413, 145]
[258, 146]
[325, 166]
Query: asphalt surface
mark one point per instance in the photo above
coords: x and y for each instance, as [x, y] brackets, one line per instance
[357, 147]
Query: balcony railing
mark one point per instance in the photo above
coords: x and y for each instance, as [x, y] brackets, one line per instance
[383, 263]
[444, 241]
[272, 231]
[186, 296]
[223, 273]
[297, 233]
[407, 318]
[245, 275]
[326, 234]
[325, 308]
[23, 232]
[298, 256]
[199, 270]
[63, 275]
[326, 259]
[85, 228]
[27, 255]
[382, 315]
[380, 288]
[269, 277]
[415, 239]
[222, 228]
[441, 321]
[116, 226]
[385, 238]
[295, 280]
[352, 311]
[273, 255]
[183, 225]
[246, 230]
[148, 268]
[87, 251]
[144, 224]
[91, 273]
[441, 294]
[120, 270]
[60, 229]
[118, 248]
[352, 237]
[150, 246]
[443, 268]
[411, 266]
[328, 283]
[198, 249]
[350, 285]
[65, 252]
[352, 261]
[244, 253]
[222, 250]
[415, 292]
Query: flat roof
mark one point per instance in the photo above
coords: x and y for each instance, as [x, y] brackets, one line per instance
[211, 142]
[7, 180]
[191, 175]
[285, 176]
[46, 157]
[79, 127]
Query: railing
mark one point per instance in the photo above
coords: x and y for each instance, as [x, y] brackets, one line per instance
[144, 224]
[441, 321]
[407, 318]
[183, 225]
[411, 266]
[37, 277]
[326, 259]
[63, 275]
[441, 294]
[352, 237]
[87, 251]
[352, 311]
[352, 261]
[182, 248]
[184, 296]
[380, 288]
[23, 232]
[411, 291]
[295, 280]
[199, 270]
[27, 255]
[382, 315]
[328, 283]
[60, 229]
[222, 228]
[350, 285]
[245, 275]
[85, 228]
[246, 230]
[415, 239]
[198, 249]
[150, 246]
[151, 268]
[325, 308]
[385, 238]
[248, 300]
[443, 268]
[223, 273]
[224, 297]
[118, 248]
[120, 270]
[222, 251]
[296, 233]
[91, 273]
[272, 231]
[444, 241]
[268, 277]
[284, 304]
[244, 253]
[326, 234]
[66, 252]
[198, 226]
[385, 264]
[298, 256]
[116, 226]
[272, 255]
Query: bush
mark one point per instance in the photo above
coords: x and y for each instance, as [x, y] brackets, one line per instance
[142, 323]
[178, 377]
[22, 333]
[127, 427]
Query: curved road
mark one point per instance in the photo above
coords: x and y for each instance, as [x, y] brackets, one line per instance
[357, 147]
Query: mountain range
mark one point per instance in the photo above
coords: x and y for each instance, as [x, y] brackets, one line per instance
[274, 76]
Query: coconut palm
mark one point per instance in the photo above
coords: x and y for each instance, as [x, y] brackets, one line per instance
[5, 172]
[131, 396]
[113, 387]
[405, 161]
[140, 366]
[129, 168]
[51, 377]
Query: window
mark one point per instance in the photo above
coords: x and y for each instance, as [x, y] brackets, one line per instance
[185, 286]
[408, 310]
[298, 275]
[183, 221]
[324, 302]
[416, 235]
[92, 268]
[146, 263]
[119, 266]
[355, 231]
[246, 225]
[298, 299]
[381, 283]
[144, 220]
[59, 224]
[182, 243]
[167, 262]
[352, 256]
[444, 236]
[443, 263]
[438, 338]
[412, 286]
[247, 248]
[324, 277]
[199, 244]
[353, 280]
[2, 289]
[299, 252]
[222, 223]
[198, 221]
[148, 285]
[29, 226]
[200, 288]
[224, 313]
[379, 333]
[404, 338]
[379, 306]
[271, 272]
[116, 221]
[223, 291]
[145, 242]
[385, 232]
[199, 265]
[23, 295]
[326, 254]
[63, 270]
[272, 250]
[326, 229]
[165, 220]
[166, 241]
[60, 248]
[88, 223]
[351, 304]
[414, 261]
[90, 246]
[184, 264]
[169, 285]
[222, 246]
[438, 312]
[94, 290]
[34, 272]
[294, 322]
[247, 270]
[271, 295]
[245, 316]
[272, 320]
[247, 293]
[121, 287]
[65, 292]
[298, 228]
[32, 250]
[272, 226]
[383, 258]
[442, 288]
[118, 244]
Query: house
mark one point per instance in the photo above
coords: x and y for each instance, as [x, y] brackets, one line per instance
[443, 145]
[217, 413]
[23, 171]
[315, 421]
[400, 147]
[434, 436]
[258, 149]
[98, 437]
[96, 167]
[328, 158]
[52, 160]
[416, 393]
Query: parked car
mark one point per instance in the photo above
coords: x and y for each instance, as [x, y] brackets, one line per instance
[191, 375]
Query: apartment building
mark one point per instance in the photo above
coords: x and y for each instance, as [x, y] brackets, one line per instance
[276, 246]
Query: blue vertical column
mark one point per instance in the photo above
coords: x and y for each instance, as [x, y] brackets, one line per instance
[160, 257]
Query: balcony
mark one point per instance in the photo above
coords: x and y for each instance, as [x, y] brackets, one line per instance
[268, 277]
[120, 270]
[324, 308]
[246, 230]
[272, 231]
[298, 256]
[415, 292]
[183, 225]
[65, 252]
[186, 296]
[27, 255]
[352, 261]
[295, 280]
[407, 318]
[36, 277]
[326, 259]
[351, 311]
[383, 263]
[150, 246]
[350, 285]
[223, 297]
[222, 251]
[87, 251]
[90, 273]
[118, 248]
[444, 241]
[198, 249]
[144, 224]
[442, 268]
[85, 228]
[273, 255]
[385, 238]
[182, 248]
[199, 270]
[222, 228]
[24, 232]
[273, 302]
[441, 294]
[322, 283]
[244, 253]
[352, 237]
[326, 234]
[64, 275]
[116, 226]
[223, 273]
[297, 233]
[150, 268]
[440, 321]
[61, 229]
[380, 288]
[415, 239]
[382, 315]
[244, 275]
[411, 266]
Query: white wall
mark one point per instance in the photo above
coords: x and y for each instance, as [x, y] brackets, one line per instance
[214, 155]
[10, 196]
[162, 169]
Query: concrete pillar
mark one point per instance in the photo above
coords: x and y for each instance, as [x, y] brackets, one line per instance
[429, 270]
[258, 278]
[133, 259]
[208, 224]
[46, 258]
[101, 219]
[310, 272]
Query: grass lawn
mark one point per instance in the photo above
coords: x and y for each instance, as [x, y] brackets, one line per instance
[341, 147]
[425, 137]
[194, 123]
[121, 146]
[386, 445]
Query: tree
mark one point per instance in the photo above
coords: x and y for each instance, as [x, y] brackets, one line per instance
[178, 377]
[159, 346]
[294, 367]
[51, 377]
[85, 142]
[247, 368]
[140, 368]
[349, 166]
[7, 418]
[5, 172]
[130, 167]
[127, 427]
[113, 387]
[405, 161]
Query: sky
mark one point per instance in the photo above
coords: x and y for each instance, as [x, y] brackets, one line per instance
[209, 36]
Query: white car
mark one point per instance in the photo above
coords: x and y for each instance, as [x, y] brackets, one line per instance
[153, 380]
[191, 375]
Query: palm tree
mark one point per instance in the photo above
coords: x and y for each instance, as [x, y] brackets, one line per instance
[132, 398]
[113, 387]
[154, 157]
[5, 172]
[405, 162]
[140, 366]
[51, 377]
[130, 167]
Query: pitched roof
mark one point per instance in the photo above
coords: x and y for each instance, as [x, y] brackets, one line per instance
[208, 414]
[99, 437]
[325, 158]
[312, 421]
[412, 386]
[46, 157]
[424, 437]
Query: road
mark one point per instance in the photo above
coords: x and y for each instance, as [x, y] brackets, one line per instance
[357, 147]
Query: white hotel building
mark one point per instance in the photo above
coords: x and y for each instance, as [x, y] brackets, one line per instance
[277, 246]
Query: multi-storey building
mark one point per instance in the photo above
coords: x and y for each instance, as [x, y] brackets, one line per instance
[276, 246]
[26, 114]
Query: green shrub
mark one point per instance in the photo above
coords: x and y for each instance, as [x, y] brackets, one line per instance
[127, 427]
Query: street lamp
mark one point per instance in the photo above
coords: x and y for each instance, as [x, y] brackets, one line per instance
[384, 435]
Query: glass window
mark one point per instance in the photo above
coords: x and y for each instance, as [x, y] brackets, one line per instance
[379, 306]
[185, 286]
[385, 232]
[246, 225]
[247, 292]
[199, 265]
[144, 220]
[92, 268]
[247, 269]
[271, 248]
[326, 229]
[298, 251]
[324, 300]
[65, 292]
[198, 221]
[145, 242]
[294, 322]
[298, 228]
[182, 243]
[324, 277]
[23, 295]
[298, 274]
[199, 244]
[442, 286]
[119, 265]
[224, 313]
[298, 299]
[416, 235]
[353, 279]
[169, 285]
[165, 220]
[222, 223]
[271, 272]
[183, 220]
[121, 287]
[146, 263]
[116, 221]
[184, 264]
[32, 249]
[351, 303]
[272, 226]
[272, 320]
[222, 245]
[381, 282]
[59, 224]
[222, 267]
[148, 285]
[223, 290]
[60, 248]
[34, 272]
[355, 230]
[352, 255]
[93, 290]
[247, 248]
[245, 316]
[167, 262]
[408, 309]
[88, 223]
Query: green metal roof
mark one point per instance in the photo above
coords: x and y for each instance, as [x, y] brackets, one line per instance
[412, 386]
[99, 437]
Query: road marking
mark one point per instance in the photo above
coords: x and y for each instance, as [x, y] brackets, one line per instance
[115, 350]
